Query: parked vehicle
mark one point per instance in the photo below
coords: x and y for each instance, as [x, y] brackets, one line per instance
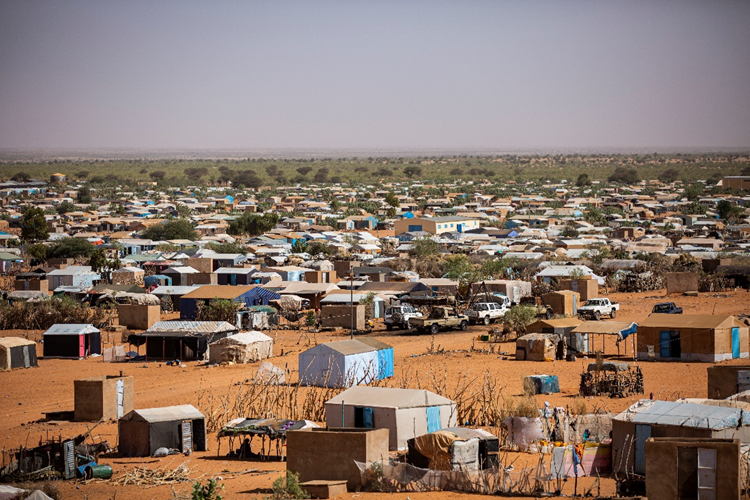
[486, 312]
[596, 308]
[440, 317]
[400, 316]
[666, 308]
[542, 309]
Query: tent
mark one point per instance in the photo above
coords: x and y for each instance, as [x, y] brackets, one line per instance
[406, 413]
[72, 341]
[345, 363]
[16, 352]
[536, 347]
[142, 432]
[245, 347]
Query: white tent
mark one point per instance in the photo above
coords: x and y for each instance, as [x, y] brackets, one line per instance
[338, 364]
[245, 347]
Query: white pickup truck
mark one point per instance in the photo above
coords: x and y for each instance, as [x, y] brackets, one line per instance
[399, 316]
[596, 308]
[486, 312]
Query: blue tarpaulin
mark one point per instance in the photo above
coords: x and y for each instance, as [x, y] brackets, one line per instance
[544, 384]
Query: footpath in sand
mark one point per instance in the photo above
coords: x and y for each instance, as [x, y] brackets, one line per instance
[25, 395]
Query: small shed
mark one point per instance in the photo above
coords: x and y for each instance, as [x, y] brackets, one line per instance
[16, 352]
[406, 413]
[345, 363]
[692, 337]
[248, 295]
[646, 418]
[72, 341]
[128, 276]
[244, 347]
[564, 302]
[587, 288]
[536, 347]
[183, 340]
[109, 397]
[142, 432]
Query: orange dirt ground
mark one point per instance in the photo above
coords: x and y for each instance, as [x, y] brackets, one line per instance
[25, 395]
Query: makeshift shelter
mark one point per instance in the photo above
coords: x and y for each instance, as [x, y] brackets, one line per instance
[454, 448]
[647, 418]
[142, 432]
[620, 330]
[108, 397]
[541, 384]
[183, 340]
[564, 302]
[128, 276]
[244, 347]
[16, 352]
[692, 337]
[536, 347]
[406, 413]
[274, 429]
[345, 363]
[611, 378]
[72, 341]
[587, 288]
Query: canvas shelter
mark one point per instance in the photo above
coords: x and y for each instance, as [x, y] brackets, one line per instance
[142, 432]
[244, 347]
[72, 341]
[536, 347]
[406, 413]
[345, 363]
[183, 340]
[692, 337]
[16, 352]
[646, 419]
[620, 330]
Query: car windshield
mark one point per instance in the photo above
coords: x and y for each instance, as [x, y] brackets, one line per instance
[662, 307]
[592, 303]
[480, 307]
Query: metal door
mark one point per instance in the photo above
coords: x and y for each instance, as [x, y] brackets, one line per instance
[233, 279]
[26, 360]
[642, 433]
[665, 350]
[187, 436]
[120, 397]
[735, 343]
[433, 419]
[81, 346]
[706, 474]
[69, 459]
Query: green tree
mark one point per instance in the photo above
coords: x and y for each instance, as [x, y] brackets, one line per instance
[669, 175]
[71, 248]
[392, 200]
[583, 180]
[158, 175]
[413, 171]
[299, 246]
[65, 207]
[519, 317]
[253, 224]
[84, 195]
[21, 177]
[303, 171]
[694, 191]
[34, 225]
[228, 248]
[694, 208]
[624, 175]
[38, 251]
[424, 246]
[729, 211]
[177, 229]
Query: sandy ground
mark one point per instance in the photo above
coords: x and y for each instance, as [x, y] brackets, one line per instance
[25, 395]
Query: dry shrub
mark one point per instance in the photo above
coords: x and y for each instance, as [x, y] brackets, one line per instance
[44, 314]
[523, 407]
[49, 488]
[580, 407]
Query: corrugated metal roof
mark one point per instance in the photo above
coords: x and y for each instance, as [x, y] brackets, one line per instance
[192, 326]
[387, 397]
[166, 414]
[685, 415]
[70, 329]
[173, 290]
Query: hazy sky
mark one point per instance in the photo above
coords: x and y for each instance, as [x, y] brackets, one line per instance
[375, 74]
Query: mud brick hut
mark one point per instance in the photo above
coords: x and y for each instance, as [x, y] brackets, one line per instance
[72, 341]
[406, 413]
[142, 432]
[687, 337]
[16, 352]
[686, 467]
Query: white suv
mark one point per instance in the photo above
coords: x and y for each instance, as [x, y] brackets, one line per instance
[486, 312]
[399, 316]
